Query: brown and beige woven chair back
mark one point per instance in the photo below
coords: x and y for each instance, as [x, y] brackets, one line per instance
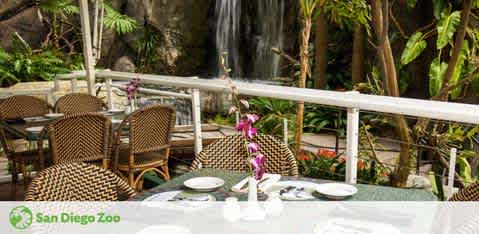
[229, 153]
[150, 132]
[151, 128]
[22, 106]
[79, 103]
[84, 137]
[469, 193]
[77, 182]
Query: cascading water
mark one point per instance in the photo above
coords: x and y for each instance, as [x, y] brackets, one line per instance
[251, 36]
[270, 21]
[228, 16]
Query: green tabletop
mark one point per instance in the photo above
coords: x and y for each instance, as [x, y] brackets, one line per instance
[365, 192]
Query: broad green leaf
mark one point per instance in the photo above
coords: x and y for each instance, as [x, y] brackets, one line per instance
[466, 170]
[456, 76]
[438, 7]
[414, 47]
[446, 28]
[436, 76]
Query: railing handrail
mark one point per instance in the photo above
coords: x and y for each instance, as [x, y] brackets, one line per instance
[458, 112]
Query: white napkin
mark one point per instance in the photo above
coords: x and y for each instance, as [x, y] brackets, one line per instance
[269, 179]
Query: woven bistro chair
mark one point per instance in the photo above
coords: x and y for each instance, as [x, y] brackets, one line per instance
[228, 153]
[79, 103]
[469, 193]
[16, 108]
[77, 182]
[83, 137]
[148, 148]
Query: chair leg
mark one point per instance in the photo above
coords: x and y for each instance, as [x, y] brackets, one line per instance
[166, 171]
[14, 172]
[131, 178]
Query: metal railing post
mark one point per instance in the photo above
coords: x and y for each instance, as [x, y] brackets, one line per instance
[74, 85]
[196, 106]
[285, 131]
[452, 172]
[352, 144]
[109, 93]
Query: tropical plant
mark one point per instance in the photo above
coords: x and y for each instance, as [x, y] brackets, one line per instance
[319, 117]
[326, 164]
[273, 112]
[23, 64]
[118, 22]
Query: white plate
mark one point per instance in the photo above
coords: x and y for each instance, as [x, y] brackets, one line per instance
[34, 129]
[337, 191]
[165, 229]
[307, 194]
[204, 184]
[54, 115]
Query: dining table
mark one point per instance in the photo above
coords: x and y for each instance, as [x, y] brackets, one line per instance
[365, 192]
[19, 127]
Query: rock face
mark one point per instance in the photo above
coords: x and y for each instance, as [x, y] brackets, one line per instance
[182, 29]
[27, 23]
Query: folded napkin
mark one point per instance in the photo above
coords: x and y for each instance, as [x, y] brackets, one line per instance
[263, 185]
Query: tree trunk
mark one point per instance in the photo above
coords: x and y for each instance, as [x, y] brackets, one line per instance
[321, 53]
[358, 55]
[380, 11]
[461, 34]
[304, 62]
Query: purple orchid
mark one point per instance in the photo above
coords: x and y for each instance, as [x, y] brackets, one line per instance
[252, 118]
[258, 166]
[251, 132]
[232, 110]
[132, 88]
[253, 147]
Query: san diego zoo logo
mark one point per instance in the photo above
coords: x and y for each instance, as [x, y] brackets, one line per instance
[21, 217]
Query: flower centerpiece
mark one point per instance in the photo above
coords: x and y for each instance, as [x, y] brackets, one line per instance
[245, 126]
[132, 89]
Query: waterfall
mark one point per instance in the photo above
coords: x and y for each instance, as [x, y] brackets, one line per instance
[250, 36]
[270, 30]
[228, 16]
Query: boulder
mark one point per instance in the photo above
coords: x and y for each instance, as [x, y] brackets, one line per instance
[28, 24]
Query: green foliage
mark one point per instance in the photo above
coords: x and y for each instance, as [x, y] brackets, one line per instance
[63, 7]
[317, 118]
[347, 13]
[436, 76]
[118, 22]
[273, 112]
[414, 47]
[22, 64]
[146, 50]
[438, 8]
[411, 3]
[456, 76]
[308, 7]
[329, 166]
[447, 27]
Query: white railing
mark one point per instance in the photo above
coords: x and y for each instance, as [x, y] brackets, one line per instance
[352, 101]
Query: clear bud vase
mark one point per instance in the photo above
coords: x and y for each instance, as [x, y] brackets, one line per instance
[253, 211]
[252, 189]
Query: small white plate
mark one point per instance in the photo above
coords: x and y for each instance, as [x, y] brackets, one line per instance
[34, 119]
[307, 194]
[336, 191]
[116, 121]
[34, 129]
[204, 184]
[164, 229]
[116, 111]
[54, 115]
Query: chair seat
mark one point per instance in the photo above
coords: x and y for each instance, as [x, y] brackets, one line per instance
[145, 160]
